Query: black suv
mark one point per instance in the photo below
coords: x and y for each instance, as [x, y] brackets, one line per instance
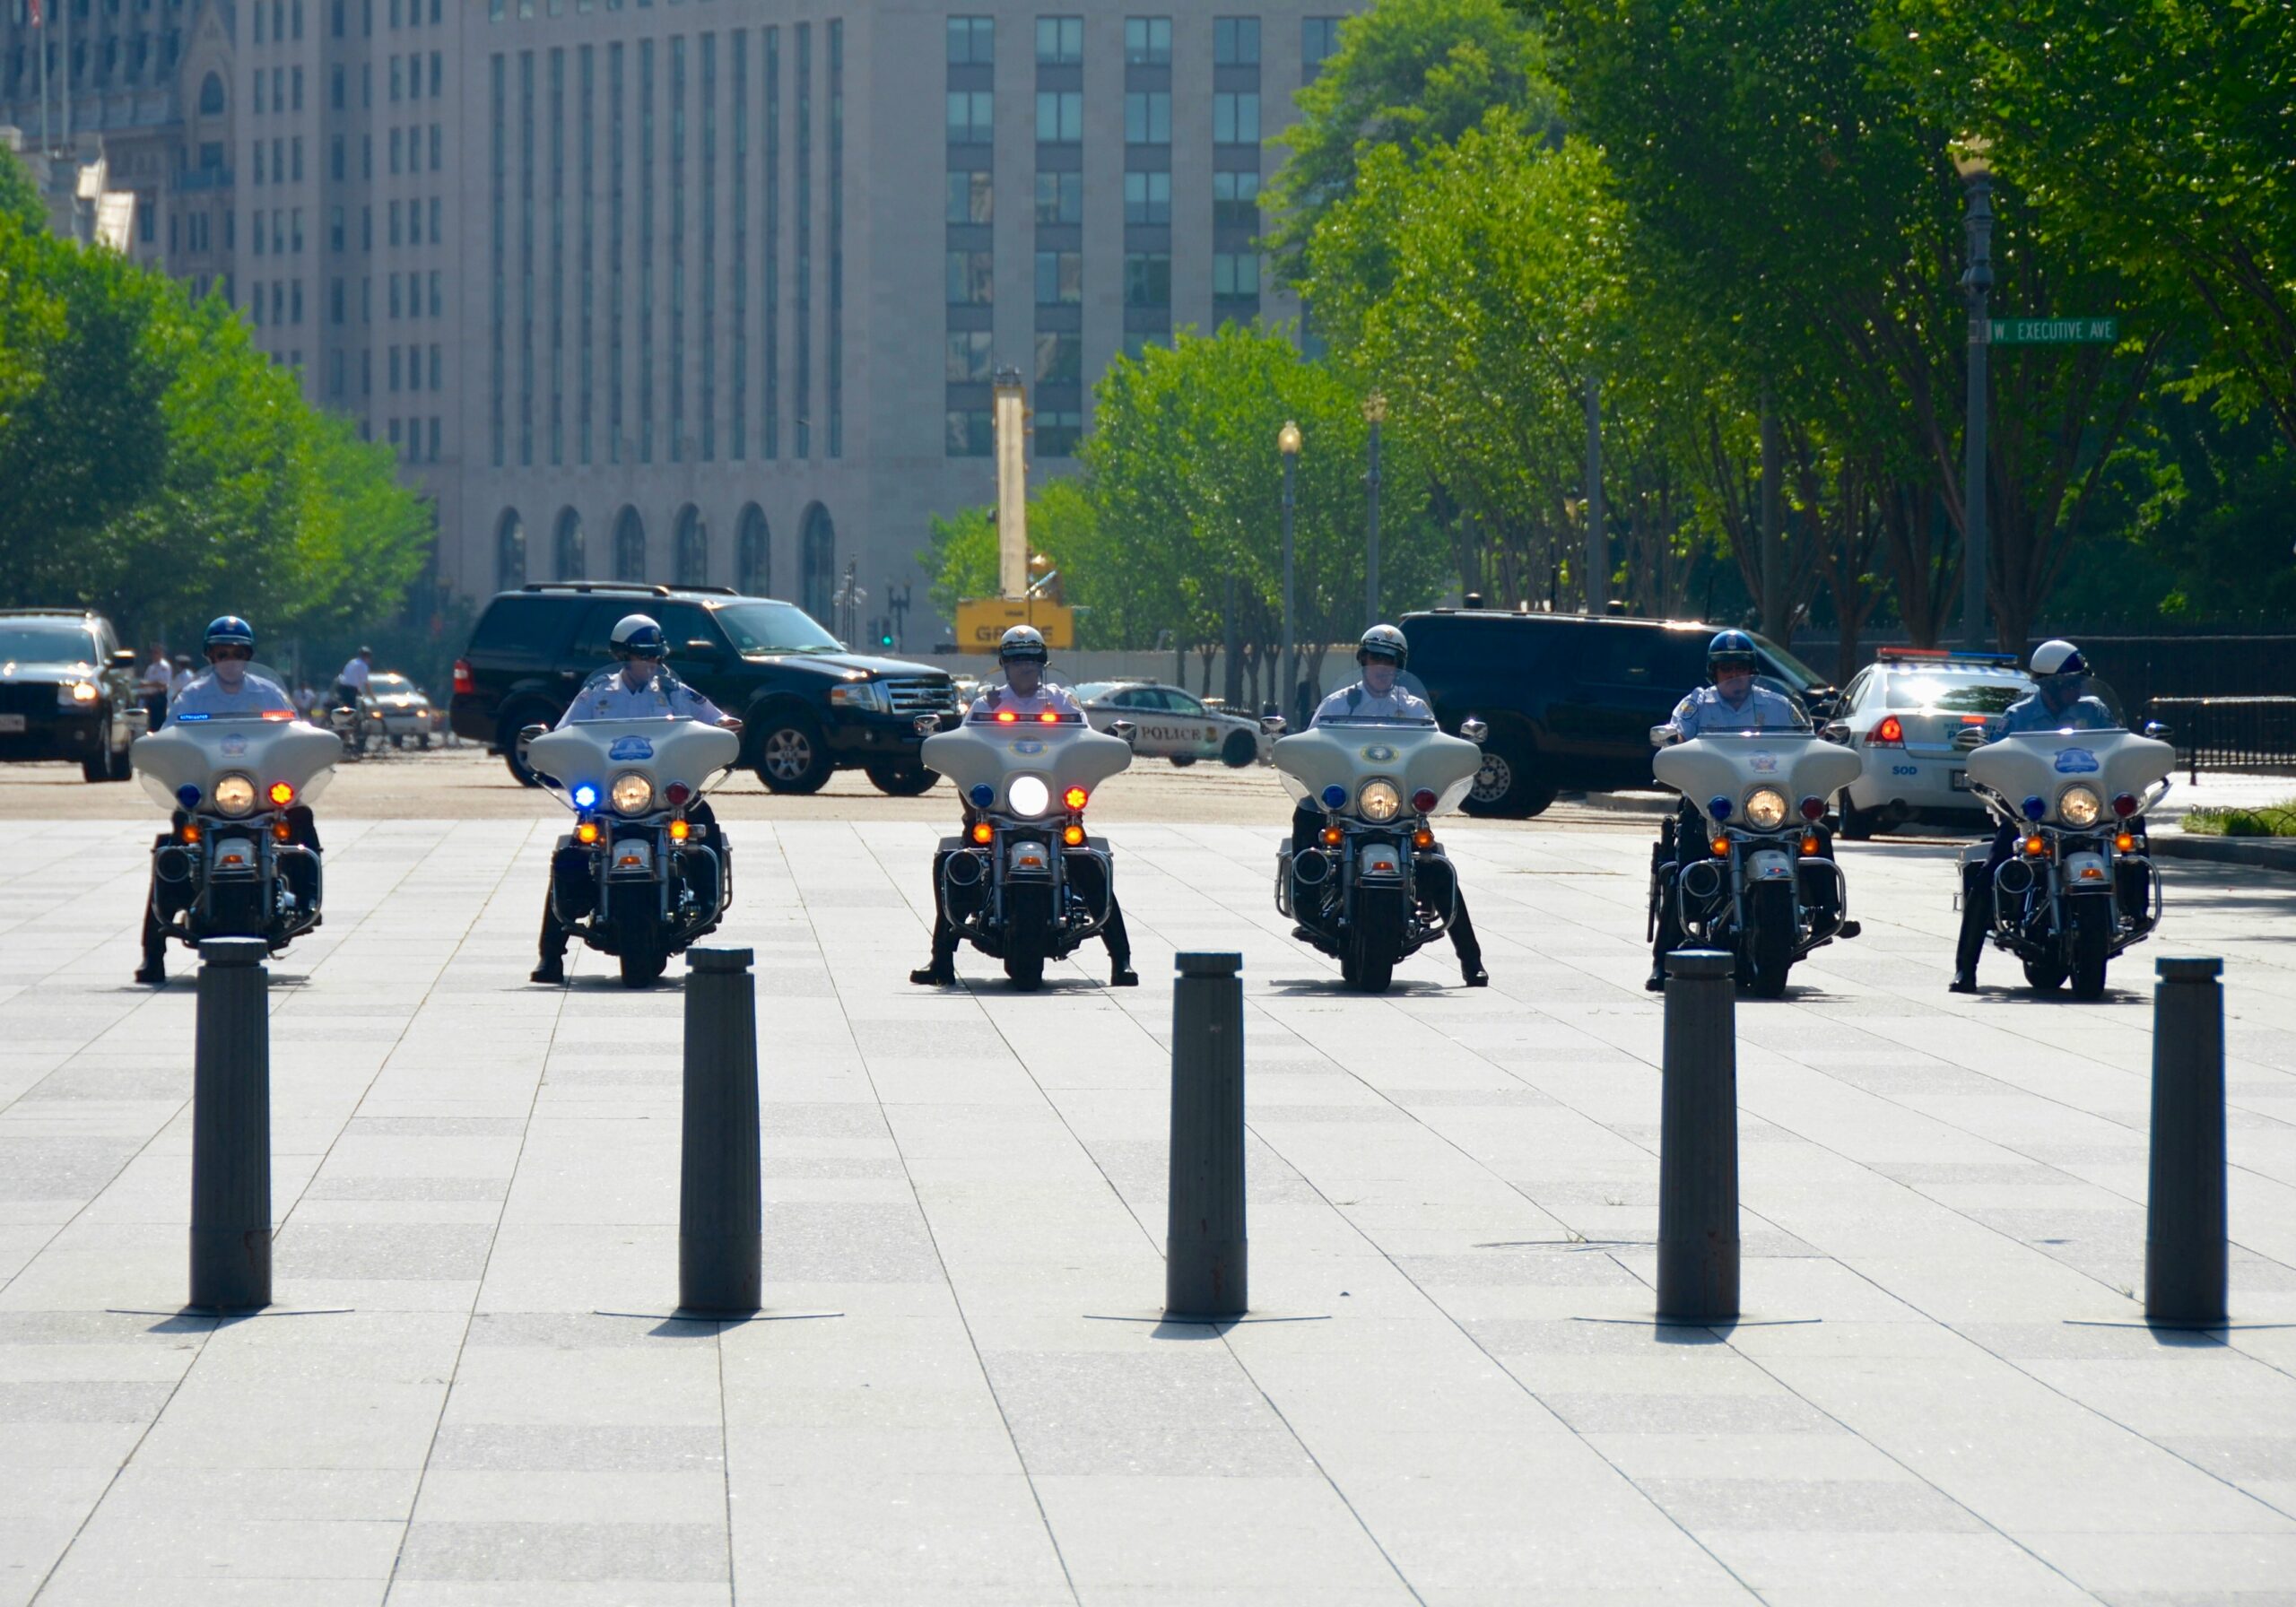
[67, 691]
[808, 706]
[1570, 699]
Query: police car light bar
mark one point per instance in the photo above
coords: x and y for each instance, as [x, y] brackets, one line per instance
[1943, 655]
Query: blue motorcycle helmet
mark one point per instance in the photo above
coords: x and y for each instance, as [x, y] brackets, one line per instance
[1731, 650]
[230, 631]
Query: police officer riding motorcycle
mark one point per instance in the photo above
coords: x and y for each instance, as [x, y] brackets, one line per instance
[639, 687]
[1044, 713]
[1377, 699]
[236, 769]
[2076, 808]
[1756, 876]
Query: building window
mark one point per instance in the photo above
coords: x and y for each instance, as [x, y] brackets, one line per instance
[1060, 117]
[1235, 118]
[1147, 278]
[972, 42]
[971, 198]
[1136, 342]
[1235, 200]
[509, 545]
[629, 546]
[972, 117]
[971, 433]
[971, 278]
[968, 361]
[1148, 198]
[1056, 433]
[753, 553]
[1060, 359]
[1060, 198]
[1060, 278]
[570, 551]
[1235, 41]
[1235, 273]
[1148, 117]
[1318, 43]
[1147, 41]
[692, 547]
[1060, 41]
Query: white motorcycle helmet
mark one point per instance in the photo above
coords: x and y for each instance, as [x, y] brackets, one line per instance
[2058, 668]
[1025, 642]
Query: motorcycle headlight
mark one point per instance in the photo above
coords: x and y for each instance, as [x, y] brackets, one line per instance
[2079, 806]
[1765, 809]
[1379, 801]
[632, 792]
[234, 793]
[1028, 796]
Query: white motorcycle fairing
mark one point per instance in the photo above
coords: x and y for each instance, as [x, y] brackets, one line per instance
[995, 754]
[194, 751]
[2046, 764]
[1348, 755]
[1799, 764]
[667, 751]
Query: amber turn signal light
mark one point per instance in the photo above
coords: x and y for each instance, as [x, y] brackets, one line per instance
[1332, 836]
[1423, 838]
[1721, 846]
[2126, 842]
[1074, 836]
[2035, 847]
[680, 832]
[281, 832]
[1809, 844]
[586, 832]
[190, 832]
[983, 833]
[282, 794]
[1074, 797]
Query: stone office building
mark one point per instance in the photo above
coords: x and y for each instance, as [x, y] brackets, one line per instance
[689, 290]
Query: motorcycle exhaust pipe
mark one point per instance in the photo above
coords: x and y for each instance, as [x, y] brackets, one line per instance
[1701, 879]
[1310, 867]
[964, 869]
[172, 865]
[2015, 877]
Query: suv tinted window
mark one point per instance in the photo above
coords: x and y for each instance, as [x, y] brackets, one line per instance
[1441, 643]
[59, 641]
[526, 624]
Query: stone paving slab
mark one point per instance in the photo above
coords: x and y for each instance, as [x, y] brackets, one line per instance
[1940, 1393]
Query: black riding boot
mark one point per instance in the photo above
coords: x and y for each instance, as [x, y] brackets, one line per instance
[941, 970]
[1119, 943]
[1977, 893]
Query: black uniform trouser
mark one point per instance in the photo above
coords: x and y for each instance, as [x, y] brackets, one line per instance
[570, 870]
[1685, 847]
[1306, 832]
[1085, 875]
[1977, 898]
[165, 900]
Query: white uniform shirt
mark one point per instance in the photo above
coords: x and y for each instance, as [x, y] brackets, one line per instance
[158, 675]
[354, 675]
[206, 695]
[182, 679]
[1050, 695]
[608, 696]
[1360, 702]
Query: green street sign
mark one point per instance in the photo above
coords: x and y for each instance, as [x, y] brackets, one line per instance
[2051, 331]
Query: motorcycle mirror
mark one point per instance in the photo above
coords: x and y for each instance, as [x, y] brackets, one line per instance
[701, 647]
[527, 734]
[1660, 735]
[1274, 725]
[1124, 731]
[1474, 729]
[2158, 731]
[925, 724]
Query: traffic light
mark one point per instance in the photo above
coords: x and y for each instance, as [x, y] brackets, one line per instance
[885, 633]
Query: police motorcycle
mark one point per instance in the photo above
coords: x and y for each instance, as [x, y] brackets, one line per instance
[2078, 887]
[1027, 882]
[633, 879]
[1747, 866]
[234, 863]
[1375, 886]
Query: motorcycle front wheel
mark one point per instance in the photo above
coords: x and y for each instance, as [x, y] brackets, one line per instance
[2045, 976]
[1369, 964]
[637, 935]
[1028, 931]
[2092, 938]
[1769, 943]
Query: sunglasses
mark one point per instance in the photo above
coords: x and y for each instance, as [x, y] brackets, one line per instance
[215, 654]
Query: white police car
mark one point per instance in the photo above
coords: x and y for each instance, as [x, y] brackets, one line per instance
[1174, 723]
[1913, 715]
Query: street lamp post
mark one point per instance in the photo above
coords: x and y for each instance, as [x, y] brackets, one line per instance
[1975, 168]
[1375, 413]
[1287, 442]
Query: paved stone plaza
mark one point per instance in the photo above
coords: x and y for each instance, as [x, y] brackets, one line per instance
[1939, 1393]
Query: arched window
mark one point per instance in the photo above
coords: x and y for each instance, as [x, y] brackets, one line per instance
[817, 563]
[211, 95]
[629, 546]
[509, 551]
[754, 554]
[570, 548]
[692, 547]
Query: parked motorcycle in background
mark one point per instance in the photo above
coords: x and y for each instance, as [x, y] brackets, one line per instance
[232, 865]
[644, 885]
[1758, 879]
[1027, 882]
[2079, 886]
[1376, 887]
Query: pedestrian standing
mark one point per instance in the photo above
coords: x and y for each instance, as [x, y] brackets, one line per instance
[157, 680]
[350, 682]
[182, 678]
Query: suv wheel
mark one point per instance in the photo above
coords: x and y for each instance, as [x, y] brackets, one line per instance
[513, 751]
[99, 768]
[790, 754]
[1508, 784]
[902, 780]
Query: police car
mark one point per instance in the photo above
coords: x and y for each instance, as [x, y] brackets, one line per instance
[1913, 715]
[1174, 723]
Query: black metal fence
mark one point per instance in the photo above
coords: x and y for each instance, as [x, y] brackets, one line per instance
[2229, 734]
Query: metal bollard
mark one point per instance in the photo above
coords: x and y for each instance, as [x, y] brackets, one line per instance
[230, 1129]
[1205, 1268]
[721, 1207]
[2185, 1228]
[1698, 1141]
